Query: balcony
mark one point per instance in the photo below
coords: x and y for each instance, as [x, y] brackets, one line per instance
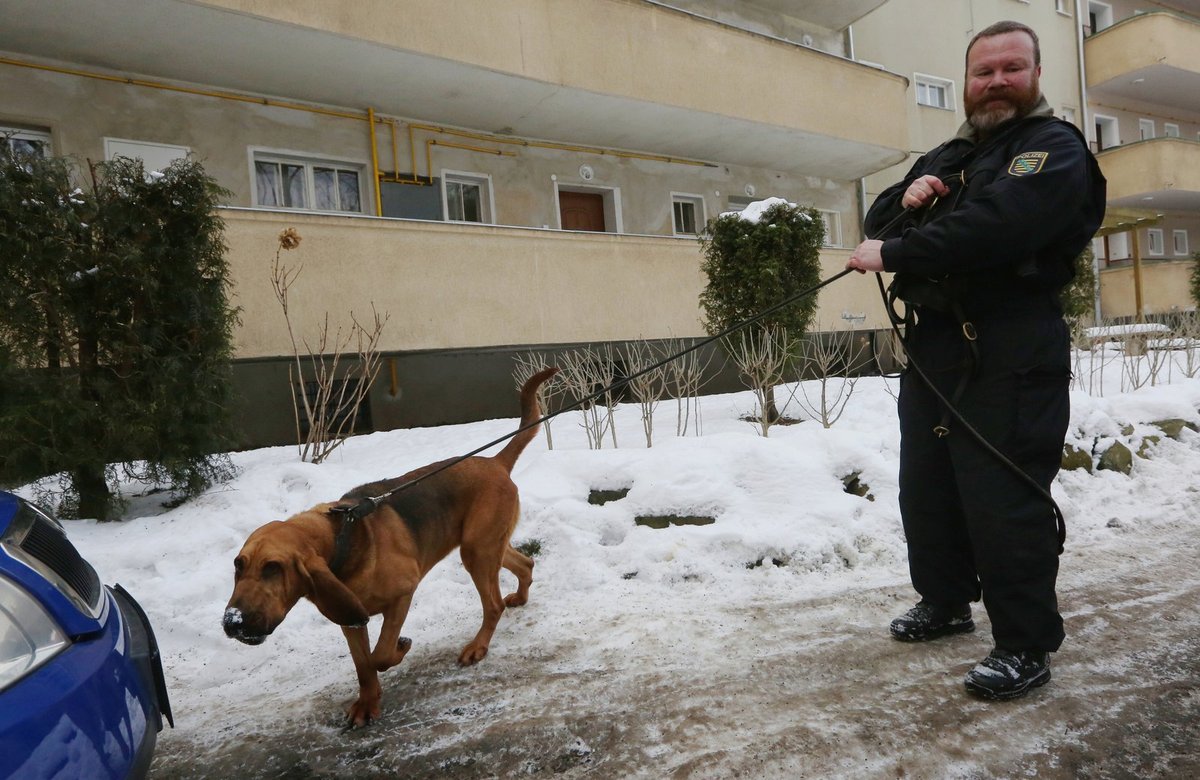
[455, 286]
[1148, 58]
[1162, 174]
[834, 15]
[605, 73]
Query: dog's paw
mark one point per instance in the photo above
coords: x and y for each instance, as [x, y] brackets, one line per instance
[361, 712]
[472, 654]
[515, 600]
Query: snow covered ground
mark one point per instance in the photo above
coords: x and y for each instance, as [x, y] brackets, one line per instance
[756, 645]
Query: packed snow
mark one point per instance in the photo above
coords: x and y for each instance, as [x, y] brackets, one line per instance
[617, 595]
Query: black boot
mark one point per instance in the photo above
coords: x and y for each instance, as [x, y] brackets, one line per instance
[928, 621]
[1007, 675]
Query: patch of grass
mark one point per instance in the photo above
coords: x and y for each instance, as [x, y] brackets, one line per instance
[530, 547]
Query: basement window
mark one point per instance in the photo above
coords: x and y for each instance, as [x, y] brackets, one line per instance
[297, 183]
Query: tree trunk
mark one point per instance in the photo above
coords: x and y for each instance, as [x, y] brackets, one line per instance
[770, 411]
[95, 499]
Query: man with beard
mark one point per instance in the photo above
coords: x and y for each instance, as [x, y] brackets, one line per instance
[982, 234]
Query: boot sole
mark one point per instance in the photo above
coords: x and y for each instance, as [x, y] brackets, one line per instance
[987, 693]
[946, 630]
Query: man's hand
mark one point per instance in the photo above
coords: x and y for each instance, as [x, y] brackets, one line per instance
[866, 257]
[922, 191]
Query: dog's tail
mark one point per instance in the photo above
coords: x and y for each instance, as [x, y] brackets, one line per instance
[530, 413]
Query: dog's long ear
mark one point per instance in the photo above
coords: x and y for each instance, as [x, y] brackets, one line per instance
[332, 598]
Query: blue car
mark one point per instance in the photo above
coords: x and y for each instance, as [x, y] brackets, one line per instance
[82, 693]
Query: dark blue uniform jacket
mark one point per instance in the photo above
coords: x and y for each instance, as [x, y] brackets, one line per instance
[1023, 204]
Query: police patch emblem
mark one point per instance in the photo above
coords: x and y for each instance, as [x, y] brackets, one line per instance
[1027, 163]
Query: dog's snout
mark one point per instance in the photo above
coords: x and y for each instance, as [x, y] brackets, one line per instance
[236, 627]
[232, 621]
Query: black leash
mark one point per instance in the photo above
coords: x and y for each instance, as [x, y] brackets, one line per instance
[950, 410]
[351, 513]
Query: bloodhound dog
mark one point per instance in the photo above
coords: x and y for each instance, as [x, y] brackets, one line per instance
[472, 505]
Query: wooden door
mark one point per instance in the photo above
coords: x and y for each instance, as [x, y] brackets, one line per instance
[581, 210]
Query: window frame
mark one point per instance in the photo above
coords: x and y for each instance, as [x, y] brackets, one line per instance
[928, 80]
[42, 136]
[699, 215]
[1170, 130]
[1151, 235]
[1103, 13]
[1175, 234]
[1102, 122]
[487, 202]
[833, 228]
[309, 162]
[1143, 124]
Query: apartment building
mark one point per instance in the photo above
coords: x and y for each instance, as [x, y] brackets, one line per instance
[1143, 92]
[496, 177]
[1126, 72]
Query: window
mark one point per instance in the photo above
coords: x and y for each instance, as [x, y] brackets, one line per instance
[282, 181]
[467, 197]
[1180, 240]
[1118, 247]
[26, 141]
[1061, 7]
[933, 91]
[1107, 134]
[1146, 128]
[1154, 241]
[688, 213]
[1100, 16]
[154, 156]
[833, 227]
[1170, 130]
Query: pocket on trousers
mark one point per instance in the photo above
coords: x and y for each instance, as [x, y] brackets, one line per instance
[1043, 414]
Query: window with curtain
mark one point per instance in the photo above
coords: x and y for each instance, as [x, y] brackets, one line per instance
[302, 184]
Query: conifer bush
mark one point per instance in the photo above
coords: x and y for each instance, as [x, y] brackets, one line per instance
[753, 265]
[115, 329]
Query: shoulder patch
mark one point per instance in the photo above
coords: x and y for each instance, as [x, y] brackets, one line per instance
[1027, 163]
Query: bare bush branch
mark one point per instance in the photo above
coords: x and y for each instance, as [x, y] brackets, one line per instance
[685, 377]
[649, 388]
[834, 356]
[583, 374]
[339, 394]
[548, 392]
[762, 357]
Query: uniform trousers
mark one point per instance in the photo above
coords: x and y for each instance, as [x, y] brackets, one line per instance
[973, 527]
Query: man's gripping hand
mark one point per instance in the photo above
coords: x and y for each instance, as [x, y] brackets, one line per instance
[922, 191]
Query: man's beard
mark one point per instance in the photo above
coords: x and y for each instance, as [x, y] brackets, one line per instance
[1016, 104]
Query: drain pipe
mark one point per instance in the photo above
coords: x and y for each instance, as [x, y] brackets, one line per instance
[861, 186]
[1089, 133]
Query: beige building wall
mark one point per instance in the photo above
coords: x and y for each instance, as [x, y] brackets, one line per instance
[224, 134]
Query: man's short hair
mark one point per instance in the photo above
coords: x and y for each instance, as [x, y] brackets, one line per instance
[999, 28]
